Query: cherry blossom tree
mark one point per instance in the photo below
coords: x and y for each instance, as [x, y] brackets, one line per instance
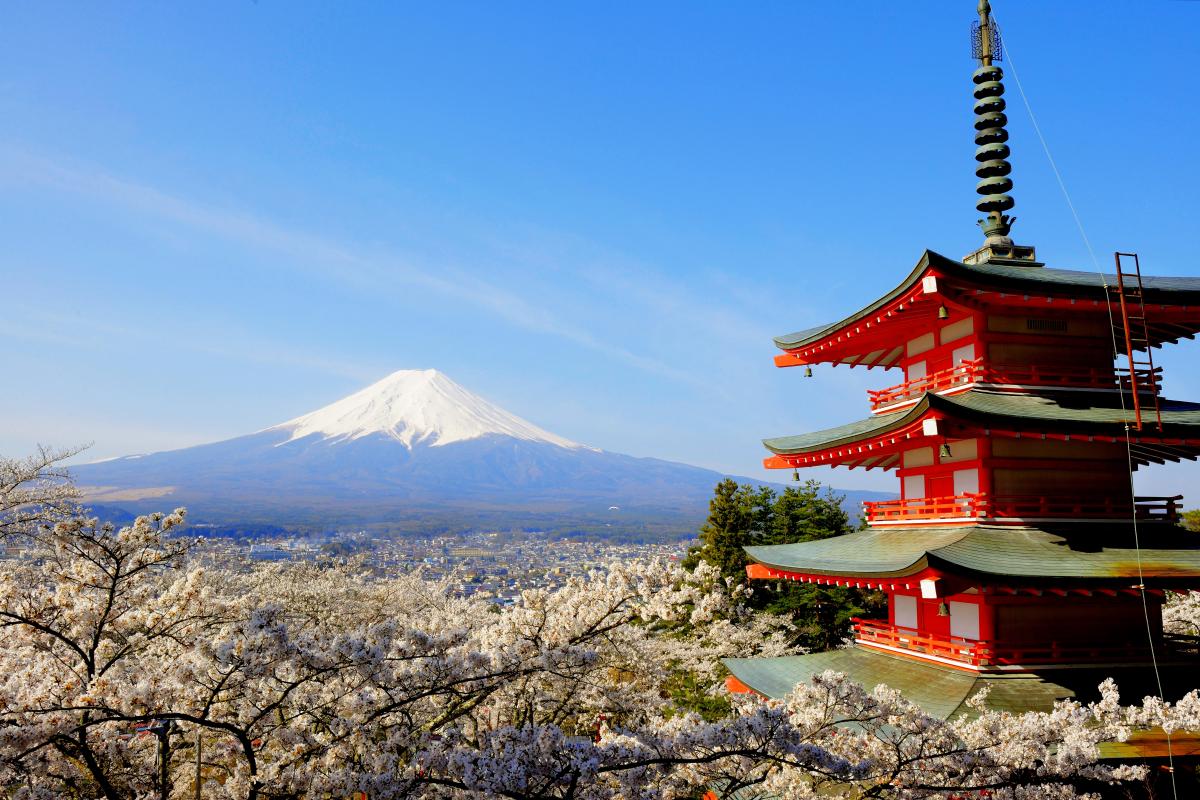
[1181, 614]
[35, 490]
[127, 671]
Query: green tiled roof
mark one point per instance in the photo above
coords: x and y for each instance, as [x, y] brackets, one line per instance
[940, 691]
[1093, 412]
[878, 551]
[1013, 279]
[1092, 553]
[1176, 289]
[1179, 289]
[851, 432]
[1086, 408]
[1063, 552]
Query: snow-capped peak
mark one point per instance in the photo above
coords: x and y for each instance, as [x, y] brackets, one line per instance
[416, 407]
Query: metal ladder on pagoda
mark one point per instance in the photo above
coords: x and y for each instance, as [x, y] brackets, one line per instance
[1143, 375]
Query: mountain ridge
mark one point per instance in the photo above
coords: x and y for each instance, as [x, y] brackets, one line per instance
[413, 446]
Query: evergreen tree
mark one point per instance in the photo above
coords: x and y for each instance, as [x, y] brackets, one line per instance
[742, 516]
[738, 516]
[803, 513]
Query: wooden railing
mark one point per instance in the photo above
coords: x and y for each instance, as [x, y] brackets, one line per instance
[1165, 509]
[940, 381]
[1016, 506]
[984, 654]
[976, 371]
[925, 508]
[879, 632]
[981, 506]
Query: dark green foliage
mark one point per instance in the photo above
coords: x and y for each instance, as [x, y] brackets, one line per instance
[741, 516]
[738, 515]
[687, 693]
[821, 613]
[803, 513]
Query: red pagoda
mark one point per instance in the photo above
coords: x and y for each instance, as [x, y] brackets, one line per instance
[1016, 555]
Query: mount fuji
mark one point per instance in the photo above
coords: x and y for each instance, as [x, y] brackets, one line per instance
[412, 452]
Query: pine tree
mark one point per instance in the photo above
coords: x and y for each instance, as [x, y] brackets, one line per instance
[738, 517]
[803, 513]
[742, 516]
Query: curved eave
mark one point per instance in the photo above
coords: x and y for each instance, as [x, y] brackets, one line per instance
[792, 341]
[1066, 417]
[980, 411]
[1158, 289]
[998, 554]
[883, 553]
[1019, 280]
[850, 433]
[941, 691]
[1061, 408]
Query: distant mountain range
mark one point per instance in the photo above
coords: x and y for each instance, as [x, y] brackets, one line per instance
[412, 452]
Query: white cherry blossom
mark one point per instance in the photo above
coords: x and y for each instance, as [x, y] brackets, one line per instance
[118, 655]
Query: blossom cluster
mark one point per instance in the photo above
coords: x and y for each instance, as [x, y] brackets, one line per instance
[126, 672]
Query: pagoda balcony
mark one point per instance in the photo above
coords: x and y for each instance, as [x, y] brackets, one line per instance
[981, 507]
[999, 655]
[938, 648]
[975, 372]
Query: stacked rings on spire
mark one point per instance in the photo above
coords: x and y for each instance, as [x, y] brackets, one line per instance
[990, 136]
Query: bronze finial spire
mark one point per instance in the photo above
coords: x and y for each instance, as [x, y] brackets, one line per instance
[990, 134]
[991, 154]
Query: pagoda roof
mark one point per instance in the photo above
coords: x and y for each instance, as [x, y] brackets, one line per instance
[942, 691]
[1064, 413]
[1017, 554]
[1016, 280]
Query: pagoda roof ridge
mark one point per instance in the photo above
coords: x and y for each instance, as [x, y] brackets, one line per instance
[800, 338]
[1015, 279]
[1057, 551]
[1067, 411]
[1167, 404]
[843, 434]
[1072, 410]
[943, 691]
[940, 691]
[876, 552]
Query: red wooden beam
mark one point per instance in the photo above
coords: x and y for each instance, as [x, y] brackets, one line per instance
[883, 445]
[758, 572]
[737, 687]
[789, 359]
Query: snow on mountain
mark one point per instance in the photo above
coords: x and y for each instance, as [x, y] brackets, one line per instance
[416, 407]
[414, 452]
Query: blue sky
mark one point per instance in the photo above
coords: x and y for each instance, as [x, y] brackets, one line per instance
[218, 216]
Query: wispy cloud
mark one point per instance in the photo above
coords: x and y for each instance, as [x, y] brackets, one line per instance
[79, 429]
[335, 261]
[47, 327]
[719, 300]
